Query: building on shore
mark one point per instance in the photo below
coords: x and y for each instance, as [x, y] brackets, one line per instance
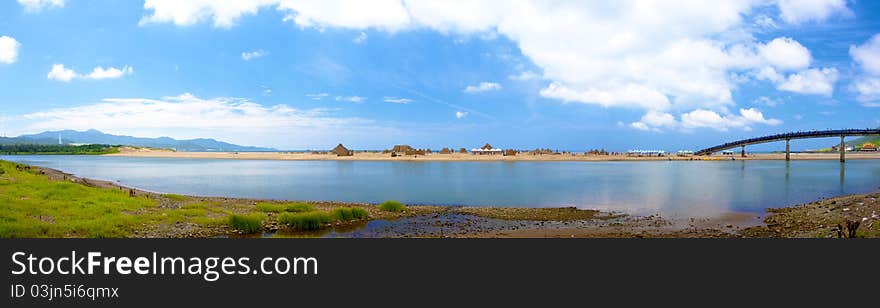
[445, 151]
[646, 153]
[401, 149]
[340, 150]
[487, 149]
[685, 153]
[868, 147]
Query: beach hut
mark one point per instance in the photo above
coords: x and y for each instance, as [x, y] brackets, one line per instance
[340, 150]
[487, 149]
[445, 151]
[462, 151]
[869, 147]
[509, 153]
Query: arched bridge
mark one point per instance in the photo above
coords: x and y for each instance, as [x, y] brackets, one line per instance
[795, 135]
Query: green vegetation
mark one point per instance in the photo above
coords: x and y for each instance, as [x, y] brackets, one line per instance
[32, 205]
[283, 207]
[306, 221]
[57, 149]
[250, 223]
[175, 197]
[349, 213]
[392, 206]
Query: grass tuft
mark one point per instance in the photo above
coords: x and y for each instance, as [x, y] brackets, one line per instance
[286, 207]
[306, 221]
[392, 206]
[250, 223]
[299, 207]
[349, 213]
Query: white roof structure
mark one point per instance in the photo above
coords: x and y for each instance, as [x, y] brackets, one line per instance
[493, 150]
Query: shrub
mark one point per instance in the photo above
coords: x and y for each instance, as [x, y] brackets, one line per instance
[175, 197]
[305, 221]
[250, 223]
[299, 207]
[392, 206]
[349, 213]
[269, 207]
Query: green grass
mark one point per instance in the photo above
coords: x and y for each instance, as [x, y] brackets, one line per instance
[175, 197]
[283, 207]
[306, 221]
[392, 206]
[250, 223]
[349, 213]
[31, 205]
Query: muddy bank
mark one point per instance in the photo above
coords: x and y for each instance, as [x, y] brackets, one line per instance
[816, 219]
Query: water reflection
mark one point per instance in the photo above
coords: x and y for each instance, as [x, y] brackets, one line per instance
[697, 188]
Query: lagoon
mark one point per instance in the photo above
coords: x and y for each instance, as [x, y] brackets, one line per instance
[676, 188]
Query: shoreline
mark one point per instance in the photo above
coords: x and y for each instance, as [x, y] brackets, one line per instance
[363, 156]
[815, 219]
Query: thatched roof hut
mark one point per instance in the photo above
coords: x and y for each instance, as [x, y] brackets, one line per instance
[340, 150]
[487, 147]
[445, 151]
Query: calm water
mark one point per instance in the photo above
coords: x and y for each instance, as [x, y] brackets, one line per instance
[671, 188]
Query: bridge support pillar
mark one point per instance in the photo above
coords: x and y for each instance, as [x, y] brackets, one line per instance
[787, 149]
[742, 152]
[842, 149]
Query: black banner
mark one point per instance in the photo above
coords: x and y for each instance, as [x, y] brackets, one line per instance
[416, 272]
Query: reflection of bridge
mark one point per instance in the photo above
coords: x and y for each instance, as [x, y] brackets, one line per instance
[788, 136]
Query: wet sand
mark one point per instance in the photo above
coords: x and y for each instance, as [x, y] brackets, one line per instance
[363, 156]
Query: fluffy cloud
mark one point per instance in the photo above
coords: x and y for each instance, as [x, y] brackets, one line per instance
[188, 116]
[61, 73]
[64, 74]
[38, 5]
[607, 54]
[811, 81]
[770, 102]
[360, 38]
[785, 53]
[461, 114]
[799, 11]
[702, 118]
[250, 55]
[8, 49]
[867, 57]
[483, 87]
[655, 121]
[395, 100]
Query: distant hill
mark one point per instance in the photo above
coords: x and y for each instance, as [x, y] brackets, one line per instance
[860, 141]
[96, 137]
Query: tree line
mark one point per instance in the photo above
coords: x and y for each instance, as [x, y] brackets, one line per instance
[32, 149]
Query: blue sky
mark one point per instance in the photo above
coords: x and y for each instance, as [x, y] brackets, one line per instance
[518, 74]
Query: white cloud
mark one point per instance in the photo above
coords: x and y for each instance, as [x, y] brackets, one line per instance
[317, 96]
[8, 49]
[461, 114]
[607, 54]
[799, 11]
[483, 87]
[525, 76]
[702, 118]
[868, 90]
[351, 99]
[395, 100]
[64, 74]
[811, 81]
[867, 55]
[38, 5]
[360, 38]
[187, 116]
[224, 14]
[109, 73]
[250, 55]
[654, 120]
[785, 53]
[61, 73]
[770, 102]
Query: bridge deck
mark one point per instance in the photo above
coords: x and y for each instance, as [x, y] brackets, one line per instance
[789, 136]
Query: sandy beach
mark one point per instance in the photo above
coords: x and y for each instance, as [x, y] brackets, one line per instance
[365, 156]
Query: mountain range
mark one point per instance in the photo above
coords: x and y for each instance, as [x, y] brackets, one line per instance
[96, 137]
